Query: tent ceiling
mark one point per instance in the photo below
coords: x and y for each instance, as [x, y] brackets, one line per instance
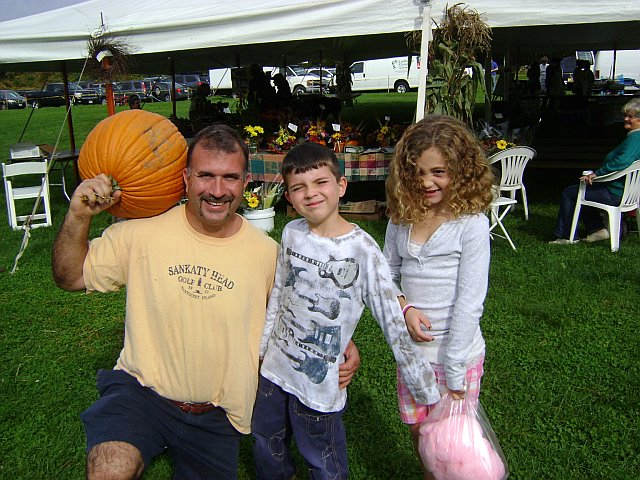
[199, 35]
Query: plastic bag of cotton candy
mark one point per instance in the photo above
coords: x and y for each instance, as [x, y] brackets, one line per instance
[458, 443]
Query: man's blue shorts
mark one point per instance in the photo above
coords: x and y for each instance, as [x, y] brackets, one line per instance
[202, 445]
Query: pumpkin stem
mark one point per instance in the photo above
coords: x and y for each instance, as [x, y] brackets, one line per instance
[114, 184]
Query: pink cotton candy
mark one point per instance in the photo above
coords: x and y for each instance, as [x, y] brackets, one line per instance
[454, 448]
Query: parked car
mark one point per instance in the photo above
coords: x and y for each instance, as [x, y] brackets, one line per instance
[84, 96]
[190, 80]
[162, 91]
[326, 72]
[132, 89]
[10, 99]
[299, 80]
[328, 76]
[52, 95]
[119, 98]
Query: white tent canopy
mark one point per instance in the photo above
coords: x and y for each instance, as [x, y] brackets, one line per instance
[199, 35]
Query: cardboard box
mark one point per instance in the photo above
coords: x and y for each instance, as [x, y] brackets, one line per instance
[24, 150]
[378, 212]
[368, 206]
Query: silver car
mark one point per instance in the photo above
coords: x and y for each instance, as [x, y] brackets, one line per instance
[162, 91]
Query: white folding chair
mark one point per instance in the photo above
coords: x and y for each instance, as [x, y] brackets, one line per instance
[512, 164]
[630, 201]
[27, 170]
[496, 216]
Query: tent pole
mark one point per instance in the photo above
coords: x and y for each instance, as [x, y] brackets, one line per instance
[72, 137]
[65, 78]
[424, 59]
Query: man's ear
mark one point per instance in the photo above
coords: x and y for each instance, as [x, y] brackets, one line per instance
[185, 179]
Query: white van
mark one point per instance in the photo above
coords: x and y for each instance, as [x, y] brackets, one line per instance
[386, 74]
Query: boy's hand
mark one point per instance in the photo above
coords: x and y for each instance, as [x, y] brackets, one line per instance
[350, 365]
[417, 322]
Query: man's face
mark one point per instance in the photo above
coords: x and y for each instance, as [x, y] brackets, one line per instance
[214, 183]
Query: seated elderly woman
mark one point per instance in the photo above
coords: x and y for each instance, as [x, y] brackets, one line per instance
[607, 192]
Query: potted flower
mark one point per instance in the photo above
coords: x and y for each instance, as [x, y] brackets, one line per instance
[315, 132]
[352, 134]
[387, 135]
[338, 140]
[253, 134]
[493, 145]
[285, 140]
[258, 203]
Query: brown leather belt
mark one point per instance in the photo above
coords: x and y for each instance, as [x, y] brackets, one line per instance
[195, 408]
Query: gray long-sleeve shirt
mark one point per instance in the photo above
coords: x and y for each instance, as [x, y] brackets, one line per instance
[448, 281]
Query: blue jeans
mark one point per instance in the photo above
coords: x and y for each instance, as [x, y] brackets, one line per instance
[203, 446]
[590, 216]
[320, 437]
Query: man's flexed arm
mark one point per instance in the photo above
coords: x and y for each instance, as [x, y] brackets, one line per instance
[70, 246]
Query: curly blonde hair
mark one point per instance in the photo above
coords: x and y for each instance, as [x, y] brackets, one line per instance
[471, 178]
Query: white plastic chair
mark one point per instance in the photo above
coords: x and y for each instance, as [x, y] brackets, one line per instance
[630, 201]
[13, 193]
[512, 164]
[496, 216]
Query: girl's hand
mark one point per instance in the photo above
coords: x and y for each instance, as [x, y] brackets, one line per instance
[456, 394]
[417, 322]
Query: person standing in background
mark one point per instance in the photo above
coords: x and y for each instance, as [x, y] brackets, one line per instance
[544, 61]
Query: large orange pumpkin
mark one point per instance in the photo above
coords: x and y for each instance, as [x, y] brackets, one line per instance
[145, 154]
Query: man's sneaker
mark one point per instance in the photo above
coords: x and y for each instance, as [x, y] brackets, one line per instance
[602, 234]
[561, 241]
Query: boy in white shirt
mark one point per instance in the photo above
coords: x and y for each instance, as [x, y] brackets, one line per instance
[328, 270]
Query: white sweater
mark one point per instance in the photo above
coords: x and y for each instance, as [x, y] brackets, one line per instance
[321, 288]
[448, 282]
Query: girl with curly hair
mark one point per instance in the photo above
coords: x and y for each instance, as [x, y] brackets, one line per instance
[437, 245]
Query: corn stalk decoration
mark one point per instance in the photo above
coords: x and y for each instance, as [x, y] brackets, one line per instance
[458, 40]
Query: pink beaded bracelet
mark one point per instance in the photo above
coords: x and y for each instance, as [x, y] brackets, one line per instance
[406, 308]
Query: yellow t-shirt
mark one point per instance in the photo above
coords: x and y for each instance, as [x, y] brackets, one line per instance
[195, 307]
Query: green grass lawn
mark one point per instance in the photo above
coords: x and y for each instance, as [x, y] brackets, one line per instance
[562, 379]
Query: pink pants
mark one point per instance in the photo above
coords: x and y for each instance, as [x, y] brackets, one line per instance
[412, 412]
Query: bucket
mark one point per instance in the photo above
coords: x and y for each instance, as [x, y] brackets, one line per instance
[263, 219]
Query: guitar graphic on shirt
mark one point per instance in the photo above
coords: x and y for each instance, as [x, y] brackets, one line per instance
[320, 346]
[344, 273]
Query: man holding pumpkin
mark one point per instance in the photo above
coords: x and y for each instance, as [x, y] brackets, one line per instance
[198, 278]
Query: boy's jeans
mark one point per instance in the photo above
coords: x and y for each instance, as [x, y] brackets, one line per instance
[320, 437]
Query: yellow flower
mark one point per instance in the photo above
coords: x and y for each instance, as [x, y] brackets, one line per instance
[254, 131]
[501, 144]
[253, 201]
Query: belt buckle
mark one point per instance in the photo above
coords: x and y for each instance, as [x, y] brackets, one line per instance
[194, 408]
